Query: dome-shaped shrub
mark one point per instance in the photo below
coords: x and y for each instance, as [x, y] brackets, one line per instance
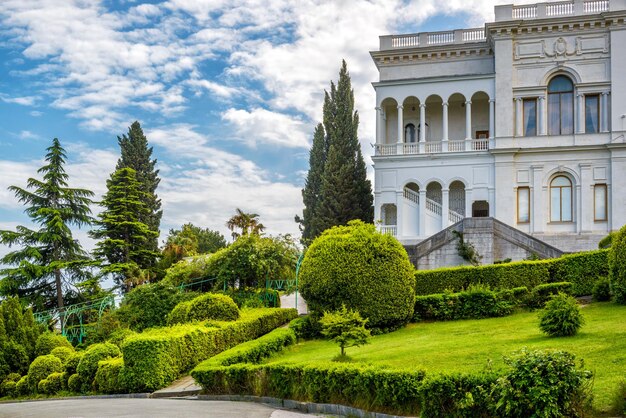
[179, 314]
[75, 383]
[52, 384]
[63, 353]
[561, 316]
[41, 368]
[212, 306]
[367, 271]
[48, 341]
[71, 364]
[88, 365]
[21, 387]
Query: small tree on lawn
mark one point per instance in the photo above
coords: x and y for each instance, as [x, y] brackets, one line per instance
[345, 327]
[617, 266]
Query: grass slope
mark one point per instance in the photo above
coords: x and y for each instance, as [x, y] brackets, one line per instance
[471, 345]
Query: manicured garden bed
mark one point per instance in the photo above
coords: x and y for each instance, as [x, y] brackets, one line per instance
[470, 346]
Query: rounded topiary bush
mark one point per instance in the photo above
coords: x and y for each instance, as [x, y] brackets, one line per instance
[7, 388]
[48, 341]
[179, 314]
[88, 365]
[601, 290]
[41, 368]
[75, 383]
[367, 271]
[71, 364]
[617, 266]
[561, 316]
[107, 377]
[212, 306]
[52, 384]
[21, 387]
[62, 353]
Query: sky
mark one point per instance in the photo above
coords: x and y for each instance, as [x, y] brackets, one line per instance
[228, 93]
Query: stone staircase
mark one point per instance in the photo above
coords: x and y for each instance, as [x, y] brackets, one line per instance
[492, 239]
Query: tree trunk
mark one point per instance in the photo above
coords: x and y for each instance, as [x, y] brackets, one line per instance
[57, 280]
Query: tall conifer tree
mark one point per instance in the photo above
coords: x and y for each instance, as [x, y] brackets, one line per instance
[123, 248]
[136, 154]
[345, 193]
[50, 257]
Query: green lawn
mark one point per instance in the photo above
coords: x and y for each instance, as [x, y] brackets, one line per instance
[469, 345]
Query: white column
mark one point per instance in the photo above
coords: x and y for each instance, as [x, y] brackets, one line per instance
[422, 122]
[492, 118]
[468, 203]
[379, 125]
[422, 214]
[445, 121]
[541, 115]
[400, 123]
[399, 213]
[468, 120]
[519, 117]
[445, 208]
[580, 125]
[604, 112]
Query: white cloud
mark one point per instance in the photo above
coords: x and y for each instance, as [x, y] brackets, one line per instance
[261, 126]
[24, 101]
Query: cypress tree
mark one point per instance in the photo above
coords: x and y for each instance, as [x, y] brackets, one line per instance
[136, 154]
[123, 248]
[50, 257]
[346, 193]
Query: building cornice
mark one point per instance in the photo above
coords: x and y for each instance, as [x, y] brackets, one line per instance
[430, 80]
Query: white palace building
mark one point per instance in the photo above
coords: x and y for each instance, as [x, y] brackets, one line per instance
[523, 121]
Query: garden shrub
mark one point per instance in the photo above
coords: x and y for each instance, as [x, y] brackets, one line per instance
[456, 395]
[617, 266]
[18, 336]
[15, 358]
[374, 388]
[75, 383]
[581, 269]
[52, 384]
[41, 368]
[62, 353]
[72, 362]
[542, 293]
[212, 306]
[254, 298]
[607, 241]
[21, 387]
[367, 271]
[306, 327]
[7, 388]
[49, 341]
[147, 306]
[618, 407]
[548, 383]
[561, 317]
[475, 303]
[602, 290]
[345, 328]
[118, 337]
[156, 357]
[179, 314]
[107, 376]
[88, 365]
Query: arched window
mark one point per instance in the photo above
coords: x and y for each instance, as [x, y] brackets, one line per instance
[561, 199]
[560, 106]
[410, 133]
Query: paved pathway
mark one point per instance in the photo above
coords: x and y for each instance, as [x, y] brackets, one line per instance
[289, 301]
[117, 407]
[182, 387]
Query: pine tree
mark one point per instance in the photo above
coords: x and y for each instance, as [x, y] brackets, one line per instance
[345, 192]
[50, 257]
[123, 247]
[136, 154]
[313, 186]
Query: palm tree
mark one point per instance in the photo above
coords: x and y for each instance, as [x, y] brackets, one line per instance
[247, 222]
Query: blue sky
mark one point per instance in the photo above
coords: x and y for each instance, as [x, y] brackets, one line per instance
[228, 92]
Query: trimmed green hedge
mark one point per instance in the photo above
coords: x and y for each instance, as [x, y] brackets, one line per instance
[156, 357]
[581, 269]
[107, 376]
[88, 365]
[48, 341]
[41, 368]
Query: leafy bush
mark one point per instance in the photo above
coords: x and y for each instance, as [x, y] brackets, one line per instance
[41, 368]
[456, 395]
[52, 384]
[607, 241]
[118, 337]
[306, 327]
[561, 316]
[18, 335]
[618, 408]
[21, 387]
[475, 303]
[107, 376]
[602, 290]
[7, 388]
[88, 365]
[548, 383]
[580, 269]
[156, 357]
[542, 293]
[212, 306]
[179, 314]
[367, 271]
[75, 383]
[15, 358]
[62, 353]
[617, 266]
[48, 341]
[370, 387]
[72, 362]
[345, 327]
[147, 305]
[254, 298]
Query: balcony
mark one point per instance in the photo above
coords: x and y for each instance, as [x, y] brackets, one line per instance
[418, 148]
[425, 39]
[555, 9]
